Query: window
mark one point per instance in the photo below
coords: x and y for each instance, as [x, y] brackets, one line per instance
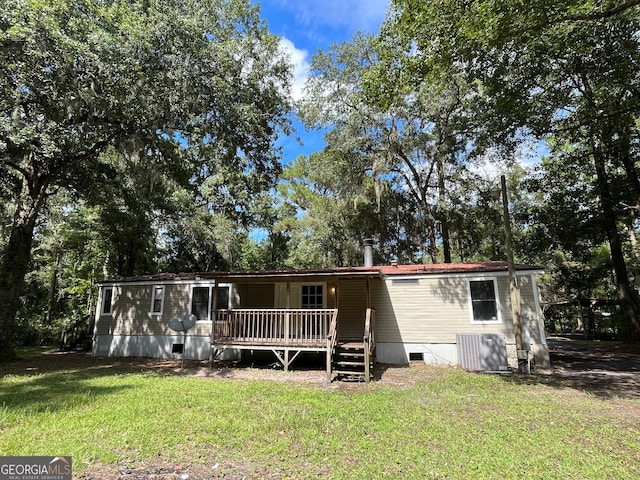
[484, 304]
[157, 300]
[107, 301]
[223, 298]
[312, 296]
[202, 301]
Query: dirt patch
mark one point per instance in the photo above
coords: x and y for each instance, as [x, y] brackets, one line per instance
[168, 471]
[49, 360]
[608, 369]
[605, 369]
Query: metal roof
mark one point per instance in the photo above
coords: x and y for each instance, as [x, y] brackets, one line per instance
[379, 271]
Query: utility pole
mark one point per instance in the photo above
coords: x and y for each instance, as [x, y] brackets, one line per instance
[514, 291]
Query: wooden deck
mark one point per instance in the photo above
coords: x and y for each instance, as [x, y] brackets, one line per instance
[272, 327]
[287, 333]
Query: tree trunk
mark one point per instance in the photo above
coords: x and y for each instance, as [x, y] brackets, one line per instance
[432, 247]
[632, 176]
[14, 263]
[609, 218]
[53, 293]
[442, 207]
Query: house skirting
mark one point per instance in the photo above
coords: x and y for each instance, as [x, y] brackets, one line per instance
[447, 353]
[157, 346]
[432, 353]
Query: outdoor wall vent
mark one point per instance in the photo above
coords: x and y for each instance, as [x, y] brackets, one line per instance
[182, 324]
[405, 281]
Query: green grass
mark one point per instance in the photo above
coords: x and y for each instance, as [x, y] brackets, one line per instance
[455, 425]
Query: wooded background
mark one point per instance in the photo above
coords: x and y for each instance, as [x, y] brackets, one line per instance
[141, 136]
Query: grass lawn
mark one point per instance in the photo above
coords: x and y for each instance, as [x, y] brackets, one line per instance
[442, 423]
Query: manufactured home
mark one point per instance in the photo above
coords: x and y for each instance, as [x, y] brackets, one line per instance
[454, 314]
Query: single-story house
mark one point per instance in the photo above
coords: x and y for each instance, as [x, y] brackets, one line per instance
[457, 314]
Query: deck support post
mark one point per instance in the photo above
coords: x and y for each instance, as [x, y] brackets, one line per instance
[213, 323]
[284, 359]
[281, 359]
[367, 363]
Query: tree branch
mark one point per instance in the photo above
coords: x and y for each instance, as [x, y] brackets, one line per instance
[581, 18]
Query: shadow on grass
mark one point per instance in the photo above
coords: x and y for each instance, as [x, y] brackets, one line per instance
[601, 385]
[606, 370]
[55, 381]
[54, 392]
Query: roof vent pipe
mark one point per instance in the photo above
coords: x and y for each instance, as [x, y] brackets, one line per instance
[368, 252]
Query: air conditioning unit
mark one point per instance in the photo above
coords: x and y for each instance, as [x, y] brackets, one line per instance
[485, 352]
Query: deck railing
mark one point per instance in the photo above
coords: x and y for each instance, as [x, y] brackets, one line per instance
[278, 327]
[369, 340]
[332, 338]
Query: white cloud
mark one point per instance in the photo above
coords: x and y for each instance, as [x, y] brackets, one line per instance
[300, 61]
[365, 15]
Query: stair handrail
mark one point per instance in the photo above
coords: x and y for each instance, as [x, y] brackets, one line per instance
[369, 340]
[332, 338]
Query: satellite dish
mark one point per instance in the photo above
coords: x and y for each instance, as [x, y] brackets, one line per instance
[182, 324]
[189, 321]
[176, 325]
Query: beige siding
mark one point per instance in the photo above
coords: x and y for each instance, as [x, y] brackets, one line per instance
[255, 295]
[408, 310]
[433, 310]
[528, 308]
[131, 313]
[352, 306]
[264, 295]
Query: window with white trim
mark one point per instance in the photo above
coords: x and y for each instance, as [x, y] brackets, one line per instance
[157, 300]
[202, 301]
[483, 295]
[107, 301]
[312, 296]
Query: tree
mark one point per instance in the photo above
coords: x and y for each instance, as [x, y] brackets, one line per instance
[69, 255]
[333, 214]
[410, 139]
[188, 86]
[566, 70]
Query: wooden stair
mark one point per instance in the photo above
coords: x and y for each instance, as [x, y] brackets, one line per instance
[349, 361]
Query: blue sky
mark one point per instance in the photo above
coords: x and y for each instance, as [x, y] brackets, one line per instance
[307, 26]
